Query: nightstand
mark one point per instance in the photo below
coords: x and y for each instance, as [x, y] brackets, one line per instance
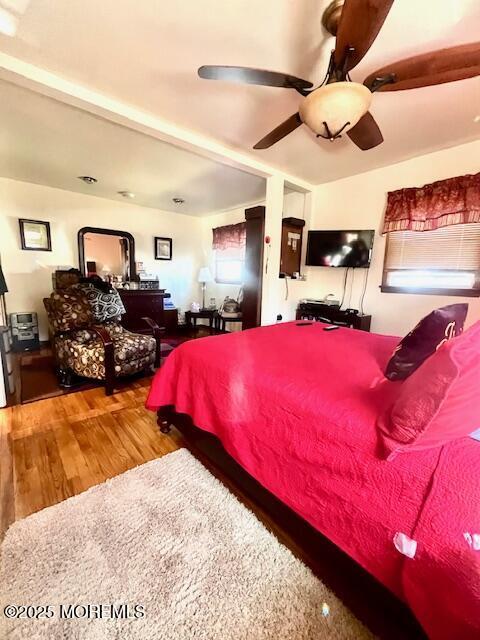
[222, 319]
[192, 316]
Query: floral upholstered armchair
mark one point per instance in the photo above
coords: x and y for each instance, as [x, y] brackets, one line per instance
[88, 339]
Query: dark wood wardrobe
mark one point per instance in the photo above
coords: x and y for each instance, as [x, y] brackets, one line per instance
[252, 288]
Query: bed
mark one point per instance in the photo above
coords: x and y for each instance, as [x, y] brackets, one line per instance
[297, 408]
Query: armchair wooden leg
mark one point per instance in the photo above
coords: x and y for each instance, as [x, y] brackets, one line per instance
[109, 387]
[156, 332]
[109, 370]
[64, 377]
[158, 354]
[109, 360]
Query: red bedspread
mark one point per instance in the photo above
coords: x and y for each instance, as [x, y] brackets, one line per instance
[297, 407]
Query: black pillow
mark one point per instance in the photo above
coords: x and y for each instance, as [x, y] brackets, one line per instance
[429, 334]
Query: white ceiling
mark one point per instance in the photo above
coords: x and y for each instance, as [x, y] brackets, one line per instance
[146, 54]
[48, 142]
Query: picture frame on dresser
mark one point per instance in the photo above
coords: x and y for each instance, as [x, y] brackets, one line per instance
[162, 248]
[35, 235]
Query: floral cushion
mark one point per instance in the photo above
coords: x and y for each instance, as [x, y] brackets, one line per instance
[84, 336]
[68, 310]
[132, 353]
[133, 346]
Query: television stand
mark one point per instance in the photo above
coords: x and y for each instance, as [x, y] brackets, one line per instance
[333, 315]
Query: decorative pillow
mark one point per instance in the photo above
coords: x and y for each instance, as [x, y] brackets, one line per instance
[105, 306]
[68, 309]
[429, 334]
[439, 402]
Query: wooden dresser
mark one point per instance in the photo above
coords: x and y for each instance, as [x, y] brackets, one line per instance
[146, 302]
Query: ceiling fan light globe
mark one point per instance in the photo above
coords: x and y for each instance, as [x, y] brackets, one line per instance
[336, 104]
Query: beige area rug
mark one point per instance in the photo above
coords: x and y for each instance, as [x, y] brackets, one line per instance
[169, 539]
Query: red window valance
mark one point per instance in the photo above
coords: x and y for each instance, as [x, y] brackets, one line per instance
[440, 204]
[231, 236]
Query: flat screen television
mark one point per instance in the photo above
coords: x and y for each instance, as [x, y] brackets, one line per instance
[339, 248]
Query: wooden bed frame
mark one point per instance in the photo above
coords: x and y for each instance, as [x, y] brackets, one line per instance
[383, 613]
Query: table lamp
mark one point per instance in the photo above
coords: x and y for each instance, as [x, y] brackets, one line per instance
[204, 276]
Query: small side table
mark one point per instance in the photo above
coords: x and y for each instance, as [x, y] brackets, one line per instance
[192, 316]
[221, 321]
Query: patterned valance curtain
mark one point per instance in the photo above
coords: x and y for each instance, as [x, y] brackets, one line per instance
[231, 236]
[440, 204]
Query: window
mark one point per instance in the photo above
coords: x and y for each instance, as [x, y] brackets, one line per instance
[229, 248]
[443, 261]
[229, 265]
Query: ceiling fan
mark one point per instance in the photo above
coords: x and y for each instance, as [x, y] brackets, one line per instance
[339, 105]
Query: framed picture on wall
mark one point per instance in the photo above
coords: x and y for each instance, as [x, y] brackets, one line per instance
[163, 248]
[35, 235]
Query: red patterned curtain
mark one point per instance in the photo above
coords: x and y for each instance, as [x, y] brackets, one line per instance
[232, 236]
[440, 204]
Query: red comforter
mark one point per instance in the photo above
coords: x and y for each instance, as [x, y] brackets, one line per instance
[297, 407]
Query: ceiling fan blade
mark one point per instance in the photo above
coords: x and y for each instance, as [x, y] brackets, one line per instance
[366, 133]
[280, 132]
[360, 22]
[253, 76]
[435, 67]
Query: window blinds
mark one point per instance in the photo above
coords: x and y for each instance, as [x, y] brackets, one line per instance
[451, 248]
[451, 255]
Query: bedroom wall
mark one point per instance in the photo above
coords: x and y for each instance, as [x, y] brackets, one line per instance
[29, 273]
[359, 202]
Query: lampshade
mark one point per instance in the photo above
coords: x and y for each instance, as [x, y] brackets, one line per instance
[204, 275]
[3, 284]
[336, 104]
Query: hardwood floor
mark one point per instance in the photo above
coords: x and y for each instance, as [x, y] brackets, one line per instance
[55, 448]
